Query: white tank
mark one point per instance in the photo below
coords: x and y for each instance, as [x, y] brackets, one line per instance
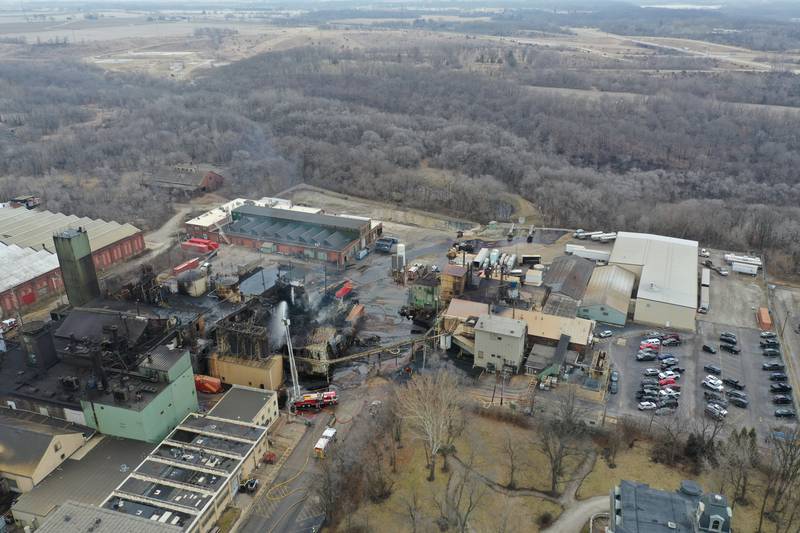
[512, 261]
[494, 256]
[401, 252]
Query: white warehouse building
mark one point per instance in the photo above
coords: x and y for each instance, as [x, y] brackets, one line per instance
[666, 272]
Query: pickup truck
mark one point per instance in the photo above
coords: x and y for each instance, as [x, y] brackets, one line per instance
[385, 244]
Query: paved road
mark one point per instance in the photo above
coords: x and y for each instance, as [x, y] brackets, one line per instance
[576, 516]
[287, 506]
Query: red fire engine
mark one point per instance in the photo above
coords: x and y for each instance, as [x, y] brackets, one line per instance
[316, 400]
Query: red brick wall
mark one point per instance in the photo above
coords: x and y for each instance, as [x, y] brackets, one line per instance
[118, 251]
[30, 292]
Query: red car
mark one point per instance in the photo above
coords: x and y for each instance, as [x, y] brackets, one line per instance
[650, 345]
[673, 386]
[666, 382]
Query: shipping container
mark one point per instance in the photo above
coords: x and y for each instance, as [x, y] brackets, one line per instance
[188, 265]
[705, 277]
[571, 248]
[530, 259]
[764, 319]
[744, 268]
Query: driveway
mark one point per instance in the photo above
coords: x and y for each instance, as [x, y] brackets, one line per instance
[575, 517]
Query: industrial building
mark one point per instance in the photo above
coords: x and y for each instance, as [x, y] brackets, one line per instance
[608, 296]
[248, 404]
[276, 225]
[549, 329]
[194, 473]
[639, 508]
[87, 478]
[74, 517]
[27, 235]
[568, 275]
[189, 181]
[499, 343]
[666, 273]
[33, 445]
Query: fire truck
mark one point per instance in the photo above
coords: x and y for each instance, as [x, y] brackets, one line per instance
[316, 400]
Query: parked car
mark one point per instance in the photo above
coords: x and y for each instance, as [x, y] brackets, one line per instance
[613, 387]
[708, 395]
[666, 374]
[709, 349]
[669, 393]
[782, 399]
[713, 369]
[605, 334]
[780, 387]
[614, 376]
[721, 402]
[646, 396]
[670, 342]
[645, 357]
[650, 345]
[769, 343]
[704, 253]
[678, 369]
[778, 376]
[729, 348]
[768, 334]
[715, 411]
[249, 485]
[772, 366]
[650, 380]
[647, 406]
[653, 340]
[728, 334]
[771, 352]
[651, 372]
[666, 336]
[713, 379]
[385, 244]
[785, 413]
[673, 386]
[665, 356]
[733, 383]
[740, 402]
[736, 394]
[713, 386]
[665, 382]
[670, 360]
[723, 271]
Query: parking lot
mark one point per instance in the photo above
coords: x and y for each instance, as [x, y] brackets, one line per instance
[734, 301]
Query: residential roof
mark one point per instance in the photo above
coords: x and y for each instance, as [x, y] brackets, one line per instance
[88, 480]
[642, 509]
[669, 266]
[18, 265]
[552, 327]
[610, 286]
[463, 309]
[569, 275]
[500, 325]
[74, 517]
[25, 438]
[242, 403]
[35, 229]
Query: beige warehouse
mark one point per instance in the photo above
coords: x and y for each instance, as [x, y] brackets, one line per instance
[666, 272]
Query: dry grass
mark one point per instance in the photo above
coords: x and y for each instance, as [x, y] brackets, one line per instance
[635, 464]
[487, 439]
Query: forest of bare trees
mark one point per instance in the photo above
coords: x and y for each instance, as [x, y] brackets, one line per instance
[416, 127]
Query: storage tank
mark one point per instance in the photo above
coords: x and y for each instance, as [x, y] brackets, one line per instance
[494, 256]
[192, 283]
[512, 261]
[401, 253]
[480, 258]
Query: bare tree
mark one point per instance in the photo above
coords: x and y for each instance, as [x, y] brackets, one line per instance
[781, 500]
[560, 438]
[460, 498]
[512, 456]
[741, 456]
[413, 510]
[431, 405]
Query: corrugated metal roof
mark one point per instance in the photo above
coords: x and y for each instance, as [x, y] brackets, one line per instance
[35, 229]
[669, 266]
[18, 265]
[552, 327]
[569, 275]
[611, 286]
[328, 221]
[74, 517]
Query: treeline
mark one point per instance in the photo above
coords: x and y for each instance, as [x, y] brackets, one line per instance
[393, 127]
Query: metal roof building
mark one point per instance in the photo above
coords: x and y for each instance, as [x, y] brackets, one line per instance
[666, 270]
[34, 229]
[18, 265]
[608, 295]
[74, 517]
[248, 404]
[568, 275]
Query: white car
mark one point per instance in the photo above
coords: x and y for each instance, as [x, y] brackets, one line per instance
[605, 334]
[704, 253]
[723, 271]
[647, 406]
[713, 379]
[669, 393]
[651, 372]
[653, 334]
[667, 374]
[651, 341]
[713, 386]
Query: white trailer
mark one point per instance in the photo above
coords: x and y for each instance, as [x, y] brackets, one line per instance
[572, 248]
[745, 268]
[705, 277]
[593, 255]
[744, 259]
[589, 234]
[705, 300]
[605, 237]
